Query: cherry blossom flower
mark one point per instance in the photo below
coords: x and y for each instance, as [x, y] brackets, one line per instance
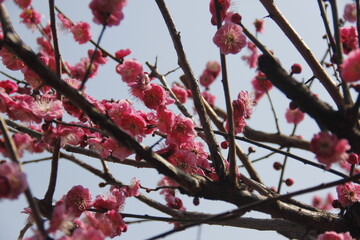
[252, 58]
[186, 161]
[259, 25]
[89, 233]
[78, 70]
[325, 204]
[349, 36]
[108, 12]
[261, 85]
[166, 119]
[100, 57]
[155, 96]
[47, 108]
[81, 32]
[350, 12]
[21, 109]
[10, 60]
[115, 200]
[294, 116]
[230, 38]
[206, 78]
[129, 70]
[110, 223]
[348, 193]
[213, 67]
[61, 220]
[77, 200]
[31, 18]
[12, 180]
[182, 131]
[223, 6]
[329, 149]
[117, 150]
[22, 142]
[331, 235]
[9, 86]
[180, 93]
[134, 124]
[132, 189]
[350, 71]
[65, 23]
[23, 3]
[243, 105]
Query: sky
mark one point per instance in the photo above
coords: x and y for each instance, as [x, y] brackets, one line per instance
[144, 32]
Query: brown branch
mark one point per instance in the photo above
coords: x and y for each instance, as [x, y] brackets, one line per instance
[193, 84]
[343, 122]
[304, 50]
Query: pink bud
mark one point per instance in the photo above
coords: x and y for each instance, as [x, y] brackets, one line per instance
[296, 68]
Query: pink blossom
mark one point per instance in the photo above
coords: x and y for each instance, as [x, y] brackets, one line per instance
[10, 60]
[294, 116]
[30, 17]
[129, 70]
[87, 234]
[166, 119]
[61, 220]
[21, 109]
[325, 204]
[45, 45]
[350, 12]
[77, 200]
[134, 124]
[23, 3]
[66, 134]
[155, 96]
[350, 71]
[206, 78]
[110, 223]
[239, 125]
[65, 23]
[182, 131]
[78, 70]
[9, 86]
[108, 12]
[331, 235]
[230, 38]
[252, 58]
[213, 67]
[118, 150]
[329, 149]
[259, 25]
[186, 161]
[100, 57]
[349, 38]
[81, 32]
[348, 193]
[261, 85]
[22, 142]
[122, 53]
[223, 5]
[5, 100]
[116, 110]
[47, 108]
[141, 85]
[115, 200]
[179, 92]
[132, 189]
[97, 145]
[12, 180]
[243, 105]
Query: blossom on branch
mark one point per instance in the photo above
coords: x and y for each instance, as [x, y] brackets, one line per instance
[230, 38]
[350, 71]
[108, 12]
[348, 193]
[12, 180]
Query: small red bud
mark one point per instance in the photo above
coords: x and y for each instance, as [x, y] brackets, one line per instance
[289, 182]
[277, 166]
[293, 105]
[353, 158]
[296, 68]
[137, 158]
[196, 201]
[224, 144]
[251, 150]
[236, 18]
